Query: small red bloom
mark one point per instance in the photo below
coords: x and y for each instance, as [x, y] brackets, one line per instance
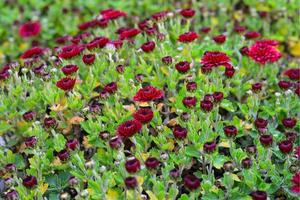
[49, 122]
[130, 33]
[117, 43]
[191, 182]
[66, 83]
[148, 93]
[29, 115]
[31, 141]
[63, 155]
[111, 87]
[179, 132]
[214, 59]
[63, 39]
[160, 15]
[131, 182]
[260, 123]
[115, 142]
[252, 35]
[218, 96]
[132, 165]
[263, 53]
[244, 51]
[205, 29]
[86, 25]
[129, 128]
[167, 60]
[89, 59]
[289, 122]
[220, 39]
[256, 87]
[191, 86]
[285, 146]
[103, 23]
[259, 195]
[98, 42]
[32, 52]
[189, 101]
[230, 131]
[246, 163]
[183, 66]
[188, 37]
[239, 29]
[29, 181]
[209, 147]
[69, 69]
[266, 140]
[206, 105]
[72, 144]
[187, 13]
[148, 46]
[4, 74]
[152, 163]
[111, 14]
[144, 115]
[293, 74]
[30, 29]
[69, 51]
[296, 183]
[297, 151]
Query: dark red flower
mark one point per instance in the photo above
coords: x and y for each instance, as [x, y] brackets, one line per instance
[132, 165]
[49, 122]
[103, 23]
[263, 53]
[69, 51]
[246, 163]
[210, 147]
[179, 132]
[220, 39]
[148, 93]
[88, 59]
[111, 87]
[296, 183]
[69, 69]
[205, 29]
[285, 146]
[130, 33]
[131, 182]
[230, 131]
[129, 128]
[148, 46]
[11, 167]
[12, 195]
[160, 15]
[31, 141]
[187, 13]
[63, 39]
[206, 105]
[189, 101]
[29, 181]
[218, 96]
[297, 91]
[63, 155]
[239, 29]
[98, 42]
[188, 37]
[256, 87]
[289, 122]
[120, 69]
[293, 74]
[39, 70]
[151, 30]
[117, 43]
[32, 52]
[266, 140]
[144, 115]
[30, 29]
[143, 25]
[206, 69]
[291, 136]
[183, 66]
[229, 72]
[252, 35]
[174, 173]
[4, 73]
[284, 85]
[268, 42]
[297, 151]
[263, 14]
[244, 51]
[260, 123]
[191, 182]
[112, 14]
[214, 59]
[251, 149]
[66, 83]
[191, 86]
[152, 163]
[86, 25]
[115, 142]
[29, 116]
[259, 195]
[72, 144]
[167, 60]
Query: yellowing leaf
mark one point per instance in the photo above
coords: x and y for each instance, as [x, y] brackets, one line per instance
[224, 144]
[235, 177]
[86, 143]
[295, 48]
[140, 180]
[172, 99]
[143, 104]
[151, 195]
[214, 21]
[76, 120]
[262, 7]
[238, 15]
[23, 46]
[214, 189]
[112, 194]
[56, 162]
[43, 187]
[164, 71]
[172, 122]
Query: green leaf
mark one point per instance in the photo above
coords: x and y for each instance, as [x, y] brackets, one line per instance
[4, 126]
[227, 105]
[192, 151]
[228, 180]
[59, 142]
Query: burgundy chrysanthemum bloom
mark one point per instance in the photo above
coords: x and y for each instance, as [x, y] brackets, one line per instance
[205, 29]
[293, 74]
[69, 69]
[273, 43]
[188, 37]
[29, 181]
[252, 35]
[152, 163]
[187, 13]
[103, 23]
[117, 43]
[86, 25]
[239, 29]
[214, 59]
[256, 87]
[88, 59]
[191, 86]
[12, 195]
[206, 106]
[30, 29]
[98, 42]
[31, 141]
[4, 74]
[132, 165]
[143, 25]
[148, 93]
[63, 155]
[189, 101]
[263, 53]
[263, 14]
[246, 163]
[167, 60]
[179, 132]
[129, 128]
[144, 115]
[191, 182]
[266, 140]
[229, 72]
[218, 96]
[63, 39]
[32, 52]
[111, 14]
[160, 15]
[69, 51]
[29, 115]
[209, 147]
[219, 39]
[296, 183]
[259, 195]
[111, 87]
[130, 33]
[183, 66]
[244, 51]
[289, 122]
[66, 83]
[285, 146]
[230, 131]
[284, 85]
[72, 144]
[115, 142]
[148, 46]
[297, 151]
[49, 122]
[260, 123]
[131, 182]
